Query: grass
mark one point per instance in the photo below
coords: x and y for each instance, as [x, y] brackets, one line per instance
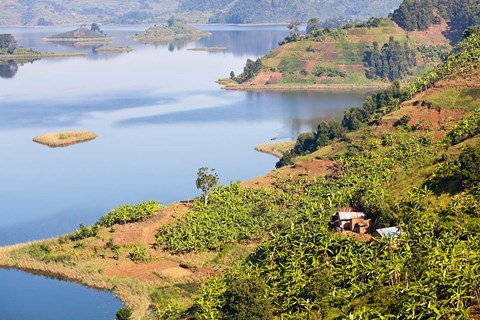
[464, 98]
[63, 139]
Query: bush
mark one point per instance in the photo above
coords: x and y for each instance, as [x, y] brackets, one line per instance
[245, 300]
[138, 254]
[124, 313]
[470, 166]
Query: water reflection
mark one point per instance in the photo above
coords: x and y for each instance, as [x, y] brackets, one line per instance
[8, 69]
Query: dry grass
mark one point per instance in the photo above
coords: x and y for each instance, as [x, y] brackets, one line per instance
[63, 139]
[276, 149]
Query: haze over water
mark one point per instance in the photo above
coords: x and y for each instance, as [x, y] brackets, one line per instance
[159, 116]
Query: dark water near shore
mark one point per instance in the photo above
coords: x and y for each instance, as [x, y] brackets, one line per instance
[159, 116]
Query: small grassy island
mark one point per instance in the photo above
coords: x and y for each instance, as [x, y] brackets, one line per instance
[208, 49]
[81, 35]
[114, 49]
[9, 50]
[174, 30]
[64, 139]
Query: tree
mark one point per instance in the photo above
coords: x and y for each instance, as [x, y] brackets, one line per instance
[95, 27]
[171, 21]
[293, 27]
[312, 25]
[207, 180]
[232, 74]
[245, 300]
[7, 41]
[124, 313]
[470, 166]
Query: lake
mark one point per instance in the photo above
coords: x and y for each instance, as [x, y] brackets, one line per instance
[159, 116]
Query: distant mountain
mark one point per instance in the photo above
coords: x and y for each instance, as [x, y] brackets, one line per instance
[48, 12]
[258, 11]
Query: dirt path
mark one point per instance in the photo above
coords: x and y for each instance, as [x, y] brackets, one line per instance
[144, 232]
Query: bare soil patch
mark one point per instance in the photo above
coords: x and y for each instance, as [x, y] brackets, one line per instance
[303, 168]
[144, 232]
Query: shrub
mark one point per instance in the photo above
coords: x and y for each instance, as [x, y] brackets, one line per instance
[124, 313]
[138, 254]
[245, 300]
[470, 166]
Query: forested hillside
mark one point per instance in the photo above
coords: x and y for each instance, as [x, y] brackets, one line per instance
[253, 11]
[421, 14]
[46, 12]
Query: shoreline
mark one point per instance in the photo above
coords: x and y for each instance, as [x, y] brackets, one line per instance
[227, 84]
[99, 40]
[41, 56]
[320, 87]
[131, 289]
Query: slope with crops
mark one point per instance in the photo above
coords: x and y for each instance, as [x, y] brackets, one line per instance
[271, 252]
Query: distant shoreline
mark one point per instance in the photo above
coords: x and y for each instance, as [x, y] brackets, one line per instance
[41, 55]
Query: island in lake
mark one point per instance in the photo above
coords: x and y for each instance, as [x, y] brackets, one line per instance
[64, 139]
[92, 35]
[174, 30]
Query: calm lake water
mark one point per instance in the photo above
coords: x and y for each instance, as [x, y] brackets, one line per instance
[159, 116]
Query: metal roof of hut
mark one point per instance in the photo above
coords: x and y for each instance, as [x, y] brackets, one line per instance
[350, 215]
[392, 232]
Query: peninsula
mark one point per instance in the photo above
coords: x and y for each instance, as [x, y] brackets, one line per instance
[80, 35]
[10, 50]
[358, 55]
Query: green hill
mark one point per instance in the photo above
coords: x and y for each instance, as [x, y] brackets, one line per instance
[355, 55]
[415, 167]
[416, 37]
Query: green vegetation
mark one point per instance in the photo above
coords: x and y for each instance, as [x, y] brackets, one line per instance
[393, 61]
[8, 43]
[464, 59]
[233, 215]
[127, 213]
[351, 55]
[124, 313]
[138, 254]
[465, 98]
[309, 271]
[122, 215]
[206, 181]
[470, 166]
